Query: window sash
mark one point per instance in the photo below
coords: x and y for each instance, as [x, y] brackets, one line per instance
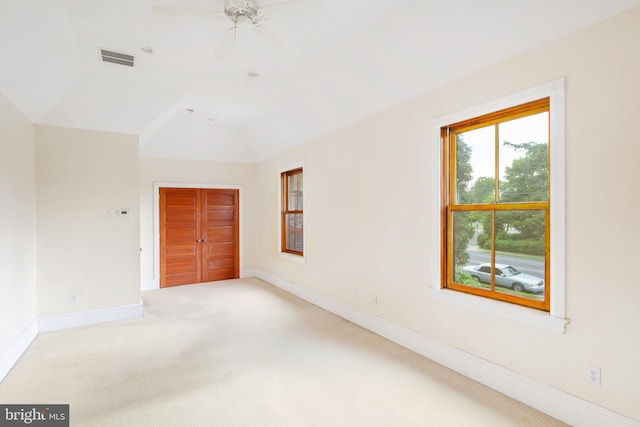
[449, 269]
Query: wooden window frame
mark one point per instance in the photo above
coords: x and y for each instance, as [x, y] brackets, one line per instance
[284, 210]
[448, 137]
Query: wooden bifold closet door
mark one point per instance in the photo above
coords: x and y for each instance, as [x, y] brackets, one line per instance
[199, 235]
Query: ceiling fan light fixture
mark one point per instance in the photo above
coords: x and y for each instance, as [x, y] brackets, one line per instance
[243, 22]
[247, 10]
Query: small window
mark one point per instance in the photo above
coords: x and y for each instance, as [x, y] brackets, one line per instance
[292, 212]
[496, 210]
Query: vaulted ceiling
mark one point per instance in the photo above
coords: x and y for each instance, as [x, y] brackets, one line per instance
[310, 72]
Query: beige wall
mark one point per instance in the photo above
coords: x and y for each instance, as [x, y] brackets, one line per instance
[188, 172]
[83, 249]
[368, 212]
[17, 223]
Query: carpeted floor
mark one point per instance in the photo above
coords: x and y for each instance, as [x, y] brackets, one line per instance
[243, 353]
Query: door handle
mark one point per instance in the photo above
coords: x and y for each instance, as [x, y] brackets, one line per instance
[198, 241]
[204, 240]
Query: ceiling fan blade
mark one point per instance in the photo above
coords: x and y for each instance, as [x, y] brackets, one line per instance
[226, 44]
[291, 8]
[184, 11]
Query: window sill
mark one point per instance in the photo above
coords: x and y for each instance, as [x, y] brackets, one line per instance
[300, 259]
[510, 311]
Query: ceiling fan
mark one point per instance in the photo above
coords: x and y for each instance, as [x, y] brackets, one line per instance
[247, 13]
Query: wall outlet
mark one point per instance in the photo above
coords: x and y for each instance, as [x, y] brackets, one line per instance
[593, 375]
[374, 299]
[74, 298]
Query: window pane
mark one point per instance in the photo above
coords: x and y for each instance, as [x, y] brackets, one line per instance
[475, 165]
[294, 232]
[470, 250]
[300, 191]
[520, 245]
[294, 183]
[524, 159]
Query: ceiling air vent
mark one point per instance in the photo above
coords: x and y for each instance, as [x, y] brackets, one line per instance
[116, 57]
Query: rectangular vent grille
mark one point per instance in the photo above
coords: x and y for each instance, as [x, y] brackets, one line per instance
[116, 57]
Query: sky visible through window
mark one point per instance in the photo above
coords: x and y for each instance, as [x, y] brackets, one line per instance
[534, 128]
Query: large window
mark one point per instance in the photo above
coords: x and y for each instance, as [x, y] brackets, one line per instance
[496, 205]
[292, 212]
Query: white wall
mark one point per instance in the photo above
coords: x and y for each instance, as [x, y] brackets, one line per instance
[187, 172]
[84, 250]
[367, 216]
[17, 224]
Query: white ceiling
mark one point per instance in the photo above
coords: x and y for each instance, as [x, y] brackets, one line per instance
[348, 60]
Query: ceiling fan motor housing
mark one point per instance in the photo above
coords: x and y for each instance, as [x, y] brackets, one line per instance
[248, 9]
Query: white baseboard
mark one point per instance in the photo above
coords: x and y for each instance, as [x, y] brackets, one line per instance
[91, 317]
[559, 404]
[20, 344]
[246, 273]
